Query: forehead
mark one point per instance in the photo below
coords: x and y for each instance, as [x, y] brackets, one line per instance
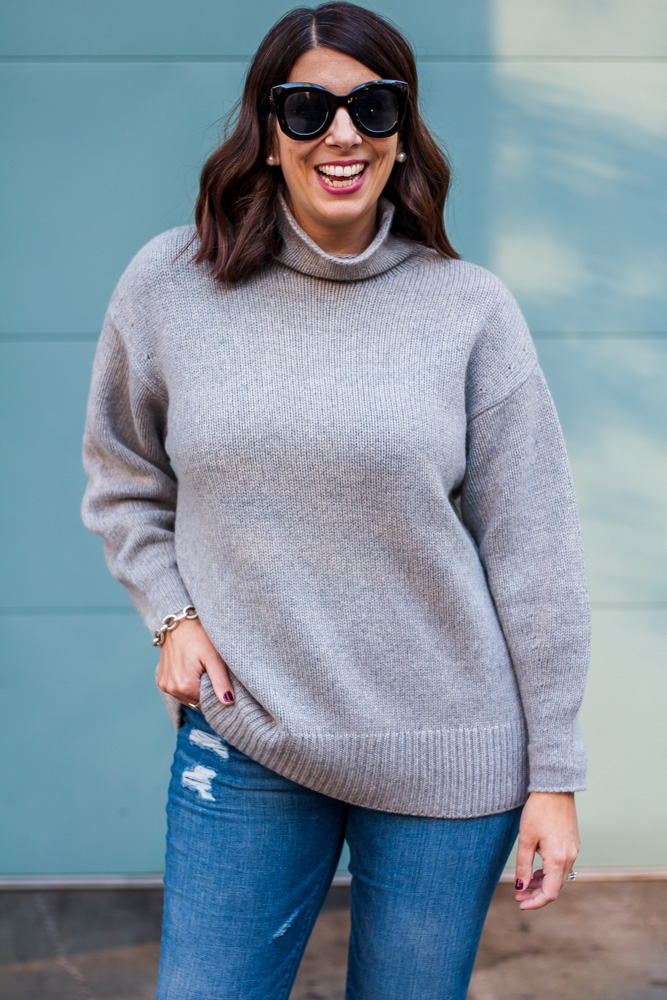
[334, 70]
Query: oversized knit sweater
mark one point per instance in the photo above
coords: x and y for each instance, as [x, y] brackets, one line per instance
[353, 467]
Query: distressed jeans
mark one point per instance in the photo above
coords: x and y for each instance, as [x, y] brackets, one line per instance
[250, 857]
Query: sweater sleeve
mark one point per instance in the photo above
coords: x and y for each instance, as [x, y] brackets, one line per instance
[130, 497]
[518, 501]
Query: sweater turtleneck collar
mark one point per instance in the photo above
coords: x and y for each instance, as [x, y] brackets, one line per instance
[301, 253]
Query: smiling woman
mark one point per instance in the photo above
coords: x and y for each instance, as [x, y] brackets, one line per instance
[327, 439]
[334, 51]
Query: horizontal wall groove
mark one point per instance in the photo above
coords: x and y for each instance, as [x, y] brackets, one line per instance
[45, 882]
[187, 58]
[543, 58]
[125, 59]
[629, 605]
[598, 334]
[47, 338]
[35, 610]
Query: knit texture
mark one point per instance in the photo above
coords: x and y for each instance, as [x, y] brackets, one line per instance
[353, 467]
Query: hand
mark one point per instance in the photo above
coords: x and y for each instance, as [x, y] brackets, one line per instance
[185, 654]
[549, 826]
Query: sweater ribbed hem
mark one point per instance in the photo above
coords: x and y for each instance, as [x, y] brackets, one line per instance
[453, 773]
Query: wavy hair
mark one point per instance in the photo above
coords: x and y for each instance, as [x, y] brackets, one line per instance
[236, 211]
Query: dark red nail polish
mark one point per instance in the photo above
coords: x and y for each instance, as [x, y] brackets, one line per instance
[518, 884]
[228, 696]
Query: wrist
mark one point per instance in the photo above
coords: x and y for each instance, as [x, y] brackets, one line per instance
[571, 794]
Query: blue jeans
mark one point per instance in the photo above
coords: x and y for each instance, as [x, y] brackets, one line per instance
[250, 857]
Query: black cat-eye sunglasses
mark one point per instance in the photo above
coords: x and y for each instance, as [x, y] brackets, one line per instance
[306, 110]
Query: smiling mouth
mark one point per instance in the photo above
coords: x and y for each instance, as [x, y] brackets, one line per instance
[341, 176]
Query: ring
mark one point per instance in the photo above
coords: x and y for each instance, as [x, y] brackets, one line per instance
[572, 875]
[196, 704]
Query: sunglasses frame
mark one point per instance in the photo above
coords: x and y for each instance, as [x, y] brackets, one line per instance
[279, 93]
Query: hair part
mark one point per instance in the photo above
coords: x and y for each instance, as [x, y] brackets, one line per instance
[236, 211]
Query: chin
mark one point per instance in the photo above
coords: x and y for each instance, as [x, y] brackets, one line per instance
[342, 204]
[351, 210]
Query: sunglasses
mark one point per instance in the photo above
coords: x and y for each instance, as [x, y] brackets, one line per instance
[306, 110]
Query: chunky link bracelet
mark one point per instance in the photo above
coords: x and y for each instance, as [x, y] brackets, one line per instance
[170, 622]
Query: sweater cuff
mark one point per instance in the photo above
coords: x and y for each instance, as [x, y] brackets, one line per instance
[557, 762]
[165, 597]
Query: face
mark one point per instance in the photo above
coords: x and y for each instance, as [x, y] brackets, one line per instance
[315, 205]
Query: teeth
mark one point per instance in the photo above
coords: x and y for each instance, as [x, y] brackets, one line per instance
[339, 182]
[347, 174]
[340, 171]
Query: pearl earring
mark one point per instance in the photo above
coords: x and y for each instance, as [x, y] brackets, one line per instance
[271, 159]
[402, 157]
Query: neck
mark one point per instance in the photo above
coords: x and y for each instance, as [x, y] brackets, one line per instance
[301, 252]
[340, 236]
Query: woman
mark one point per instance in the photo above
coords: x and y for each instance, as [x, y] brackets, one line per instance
[326, 465]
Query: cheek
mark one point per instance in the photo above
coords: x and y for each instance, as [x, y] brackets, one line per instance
[294, 163]
[386, 155]
[385, 163]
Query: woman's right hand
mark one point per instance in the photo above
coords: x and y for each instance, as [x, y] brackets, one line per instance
[185, 654]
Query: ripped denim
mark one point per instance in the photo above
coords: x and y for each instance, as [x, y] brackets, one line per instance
[250, 856]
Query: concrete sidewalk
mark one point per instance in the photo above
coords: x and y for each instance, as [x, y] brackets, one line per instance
[600, 941]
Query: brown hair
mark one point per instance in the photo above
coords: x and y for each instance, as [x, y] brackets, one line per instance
[236, 212]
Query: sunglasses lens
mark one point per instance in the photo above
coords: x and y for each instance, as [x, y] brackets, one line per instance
[378, 109]
[306, 111]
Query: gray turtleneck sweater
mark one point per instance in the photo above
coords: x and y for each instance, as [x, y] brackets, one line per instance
[353, 467]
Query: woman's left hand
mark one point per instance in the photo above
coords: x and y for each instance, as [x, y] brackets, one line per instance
[549, 826]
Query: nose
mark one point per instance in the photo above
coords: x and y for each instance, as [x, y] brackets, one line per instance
[342, 131]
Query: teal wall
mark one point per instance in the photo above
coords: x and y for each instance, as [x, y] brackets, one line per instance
[555, 116]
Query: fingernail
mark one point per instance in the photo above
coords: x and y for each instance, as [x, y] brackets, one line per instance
[518, 884]
[228, 696]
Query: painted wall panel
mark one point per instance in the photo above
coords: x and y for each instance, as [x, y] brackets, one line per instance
[560, 185]
[108, 155]
[49, 559]
[87, 787]
[586, 28]
[90, 745]
[86, 791]
[557, 182]
[611, 397]
[622, 815]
